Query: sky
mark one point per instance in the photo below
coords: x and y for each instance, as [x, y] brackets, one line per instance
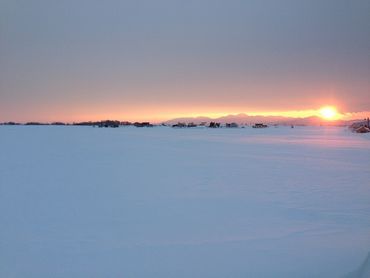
[155, 60]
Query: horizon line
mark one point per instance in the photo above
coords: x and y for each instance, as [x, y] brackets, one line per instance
[343, 117]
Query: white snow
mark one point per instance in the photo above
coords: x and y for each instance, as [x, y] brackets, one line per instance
[163, 202]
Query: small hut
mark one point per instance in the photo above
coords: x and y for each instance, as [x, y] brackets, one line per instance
[362, 129]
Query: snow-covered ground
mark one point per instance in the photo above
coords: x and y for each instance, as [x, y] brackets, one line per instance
[162, 202]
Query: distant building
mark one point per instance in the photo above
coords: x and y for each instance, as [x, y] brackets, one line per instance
[232, 125]
[125, 123]
[362, 129]
[58, 123]
[11, 123]
[109, 123]
[179, 125]
[143, 124]
[259, 125]
[34, 123]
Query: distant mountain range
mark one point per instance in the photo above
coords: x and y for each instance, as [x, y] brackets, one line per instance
[248, 120]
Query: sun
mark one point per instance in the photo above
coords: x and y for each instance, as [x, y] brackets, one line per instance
[328, 113]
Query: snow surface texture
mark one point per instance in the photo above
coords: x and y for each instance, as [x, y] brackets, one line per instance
[363, 271]
[164, 202]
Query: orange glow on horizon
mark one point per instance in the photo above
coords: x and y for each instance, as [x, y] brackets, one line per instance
[159, 114]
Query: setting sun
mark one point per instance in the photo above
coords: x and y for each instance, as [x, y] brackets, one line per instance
[328, 113]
